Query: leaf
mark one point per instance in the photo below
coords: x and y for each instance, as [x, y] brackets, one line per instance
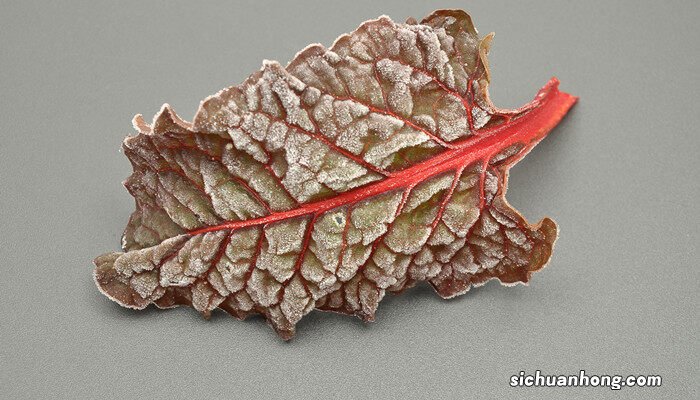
[355, 171]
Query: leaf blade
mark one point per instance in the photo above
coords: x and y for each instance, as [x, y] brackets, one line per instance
[271, 203]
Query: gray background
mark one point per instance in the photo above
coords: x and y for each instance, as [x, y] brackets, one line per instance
[620, 176]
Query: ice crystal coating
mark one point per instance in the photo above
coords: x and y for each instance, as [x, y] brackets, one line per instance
[355, 171]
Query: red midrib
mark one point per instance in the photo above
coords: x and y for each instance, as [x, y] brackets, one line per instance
[529, 128]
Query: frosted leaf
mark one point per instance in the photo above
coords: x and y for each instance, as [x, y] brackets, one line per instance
[357, 170]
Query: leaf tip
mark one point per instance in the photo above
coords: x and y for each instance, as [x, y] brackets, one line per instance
[140, 125]
[113, 286]
[452, 19]
[549, 229]
[270, 64]
[166, 120]
[484, 47]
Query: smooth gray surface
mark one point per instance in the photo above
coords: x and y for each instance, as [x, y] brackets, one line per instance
[620, 175]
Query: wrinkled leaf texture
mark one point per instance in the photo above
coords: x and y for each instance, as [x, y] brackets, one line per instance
[355, 171]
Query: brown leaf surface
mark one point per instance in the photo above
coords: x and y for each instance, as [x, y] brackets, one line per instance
[355, 170]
